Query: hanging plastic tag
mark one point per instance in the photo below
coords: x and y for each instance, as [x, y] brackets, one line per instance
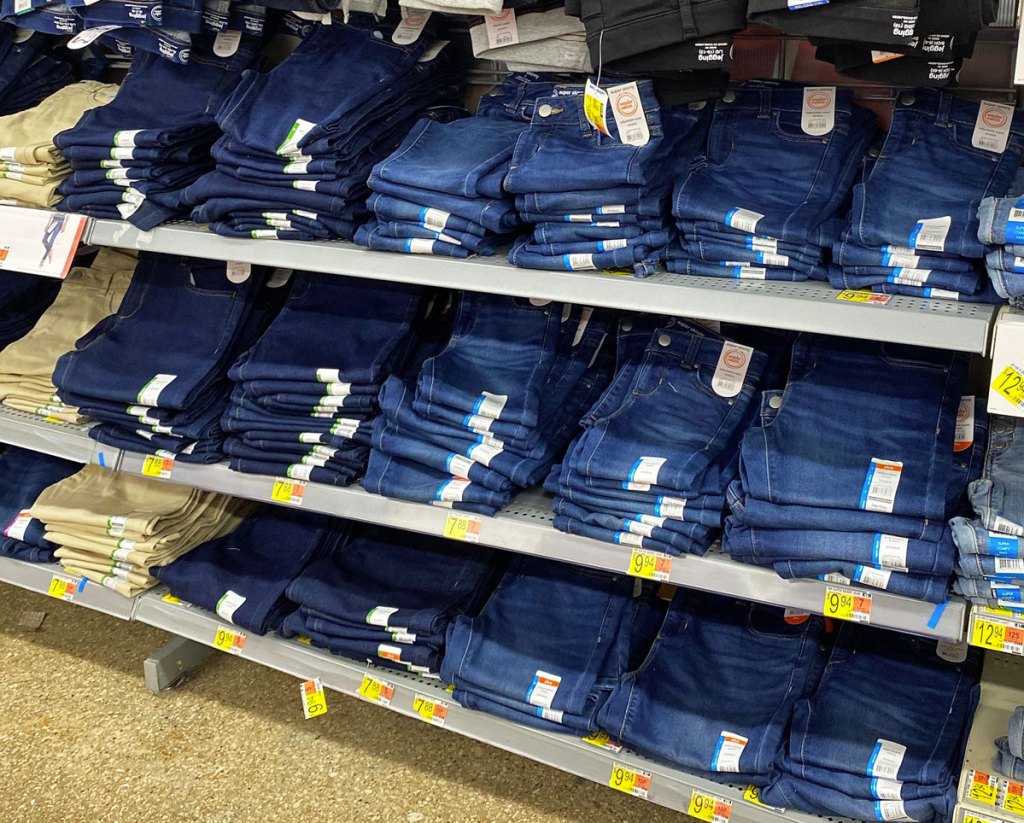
[595, 107]
[630, 117]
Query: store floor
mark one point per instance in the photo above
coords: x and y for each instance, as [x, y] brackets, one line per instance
[81, 739]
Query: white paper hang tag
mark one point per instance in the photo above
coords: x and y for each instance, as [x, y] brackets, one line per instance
[226, 43]
[433, 50]
[17, 527]
[890, 552]
[490, 405]
[150, 393]
[992, 128]
[84, 38]
[629, 114]
[290, 145]
[886, 759]
[452, 490]
[379, 615]
[543, 689]
[870, 576]
[731, 370]
[579, 262]
[238, 271]
[879, 491]
[411, 27]
[964, 437]
[955, 651]
[744, 220]
[727, 752]
[818, 116]
[502, 29]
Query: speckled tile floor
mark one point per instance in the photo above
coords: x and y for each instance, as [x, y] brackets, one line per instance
[81, 739]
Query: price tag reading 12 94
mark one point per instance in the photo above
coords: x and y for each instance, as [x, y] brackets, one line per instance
[630, 781]
[1010, 384]
[999, 637]
[847, 604]
[710, 808]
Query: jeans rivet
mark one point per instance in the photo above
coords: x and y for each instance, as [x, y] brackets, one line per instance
[545, 110]
[664, 340]
[729, 96]
[775, 402]
[908, 99]
[627, 325]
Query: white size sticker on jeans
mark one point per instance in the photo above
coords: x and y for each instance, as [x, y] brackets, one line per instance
[890, 552]
[452, 491]
[379, 616]
[543, 689]
[484, 453]
[793, 5]
[502, 29]
[891, 810]
[630, 117]
[744, 220]
[930, 233]
[671, 507]
[645, 470]
[731, 370]
[870, 576]
[290, 145]
[434, 219]
[727, 754]
[459, 465]
[579, 262]
[818, 116]
[490, 405]
[228, 604]
[879, 491]
[16, 529]
[886, 759]
[150, 393]
[992, 128]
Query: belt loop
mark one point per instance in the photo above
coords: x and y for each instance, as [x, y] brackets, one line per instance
[766, 104]
[686, 20]
[945, 105]
[694, 348]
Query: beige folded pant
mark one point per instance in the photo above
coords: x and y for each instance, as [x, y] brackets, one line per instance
[27, 136]
[86, 296]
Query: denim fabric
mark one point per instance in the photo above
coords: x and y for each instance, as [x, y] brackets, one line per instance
[665, 710]
[687, 538]
[986, 294]
[926, 186]
[1015, 733]
[972, 538]
[23, 475]
[848, 253]
[1007, 763]
[1005, 569]
[998, 495]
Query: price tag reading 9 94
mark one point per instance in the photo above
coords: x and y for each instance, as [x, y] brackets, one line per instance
[650, 565]
[630, 781]
[847, 604]
[709, 808]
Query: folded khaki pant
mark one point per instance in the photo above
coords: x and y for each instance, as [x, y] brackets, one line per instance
[86, 296]
[28, 135]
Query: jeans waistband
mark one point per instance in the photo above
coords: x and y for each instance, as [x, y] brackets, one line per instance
[945, 108]
[767, 98]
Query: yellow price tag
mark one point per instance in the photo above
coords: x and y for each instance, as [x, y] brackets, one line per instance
[314, 701]
[52, 419]
[1010, 384]
[752, 794]
[709, 808]
[595, 106]
[174, 601]
[288, 491]
[1013, 797]
[847, 604]
[618, 273]
[63, 588]
[432, 711]
[228, 640]
[866, 298]
[377, 691]
[462, 527]
[156, 466]
[630, 781]
[603, 741]
[983, 787]
[973, 818]
[305, 641]
[997, 637]
[650, 565]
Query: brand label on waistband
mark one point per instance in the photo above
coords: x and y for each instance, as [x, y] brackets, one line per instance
[963, 439]
[411, 27]
[744, 220]
[630, 117]
[992, 128]
[150, 393]
[818, 115]
[731, 370]
[502, 29]
[930, 233]
[880, 485]
[714, 52]
[379, 615]
[727, 752]
[890, 552]
[870, 576]
[228, 604]
[17, 527]
[543, 689]
[886, 759]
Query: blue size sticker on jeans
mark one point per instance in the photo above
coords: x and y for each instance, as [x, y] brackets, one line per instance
[1011, 594]
[1015, 223]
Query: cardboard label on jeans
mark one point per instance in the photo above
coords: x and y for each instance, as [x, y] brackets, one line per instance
[630, 117]
[502, 29]
[818, 116]
[992, 128]
[731, 370]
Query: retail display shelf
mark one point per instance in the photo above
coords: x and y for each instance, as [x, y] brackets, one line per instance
[996, 629]
[417, 697]
[808, 306]
[52, 579]
[53, 437]
[983, 793]
[525, 527]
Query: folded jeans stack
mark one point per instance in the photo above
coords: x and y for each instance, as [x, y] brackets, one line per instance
[242, 576]
[813, 502]
[599, 200]
[736, 732]
[489, 414]
[86, 296]
[32, 166]
[429, 199]
[550, 645]
[113, 528]
[734, 221]
[659, 447]
[31, 69]
[299, 140]
[914, 221]
[185, 314]
[1001, 229]
[134, 158]
[24, 475]
[1010, 749]
[891, 752]
[390, 596]
[990, 565]
[306, 393]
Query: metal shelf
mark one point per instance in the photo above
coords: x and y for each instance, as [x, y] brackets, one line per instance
[1002, 690]
[39, 577]
[57, 439]
[808, 306]
[669, 787]
[525, 527]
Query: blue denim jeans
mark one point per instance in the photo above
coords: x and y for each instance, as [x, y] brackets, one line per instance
[972, 538]
[387, 207]
[683, 538]
[846, 253]
[24, 475]
[997, 496]
[797, 456]
[1015, 733]
[497, 214]
[926, 186]
[664, 709]
[1007, 763]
